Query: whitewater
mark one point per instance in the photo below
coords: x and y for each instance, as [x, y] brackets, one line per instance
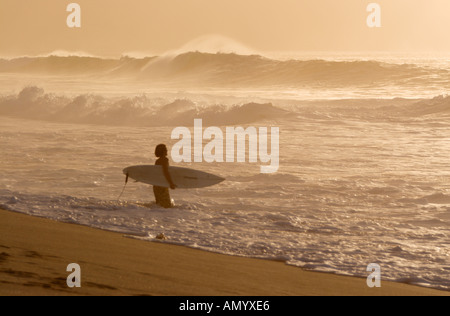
[364, 146]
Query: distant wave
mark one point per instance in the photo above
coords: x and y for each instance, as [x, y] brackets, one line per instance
[439, 105]
[69, 65]
[230, 70]
[34, 103]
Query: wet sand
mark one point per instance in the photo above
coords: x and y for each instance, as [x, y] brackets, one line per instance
[35, 252]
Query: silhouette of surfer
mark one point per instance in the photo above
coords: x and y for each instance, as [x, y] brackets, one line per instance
[162, 194]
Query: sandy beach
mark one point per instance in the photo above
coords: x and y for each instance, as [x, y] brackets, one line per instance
[35, 252]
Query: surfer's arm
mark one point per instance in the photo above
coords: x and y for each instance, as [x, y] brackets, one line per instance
[166, 172]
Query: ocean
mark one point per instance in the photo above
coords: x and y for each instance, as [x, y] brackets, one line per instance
[364, 144]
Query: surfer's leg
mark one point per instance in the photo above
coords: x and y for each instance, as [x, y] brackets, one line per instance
[162, 196]
[165, 201]
[156, 193]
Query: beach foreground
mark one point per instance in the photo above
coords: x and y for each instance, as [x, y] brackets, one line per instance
[35, 253]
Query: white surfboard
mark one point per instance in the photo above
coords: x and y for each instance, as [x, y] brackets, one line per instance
[184, 178]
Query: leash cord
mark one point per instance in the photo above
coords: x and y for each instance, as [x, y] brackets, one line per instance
[123, 190]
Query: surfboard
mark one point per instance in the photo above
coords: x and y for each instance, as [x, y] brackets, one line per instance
[184, 178]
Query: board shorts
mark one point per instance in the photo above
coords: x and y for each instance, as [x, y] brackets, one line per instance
[162, 196]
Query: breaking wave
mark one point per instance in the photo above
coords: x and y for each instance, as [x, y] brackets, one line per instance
[143, 110]
[439, 105]
[34, 103]
[228, 69]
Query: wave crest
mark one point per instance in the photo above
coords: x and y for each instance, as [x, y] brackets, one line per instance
[225, 70]
[33, 103]
[438, 105]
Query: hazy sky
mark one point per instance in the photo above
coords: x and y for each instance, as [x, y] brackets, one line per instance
[113, 27]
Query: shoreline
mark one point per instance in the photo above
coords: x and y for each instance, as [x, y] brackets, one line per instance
[35, 253]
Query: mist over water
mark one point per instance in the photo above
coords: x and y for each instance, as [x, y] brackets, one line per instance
[364, 149]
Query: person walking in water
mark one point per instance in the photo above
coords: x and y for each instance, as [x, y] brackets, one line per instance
[162, 194]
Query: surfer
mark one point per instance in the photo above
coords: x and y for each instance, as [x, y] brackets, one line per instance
[162, 194]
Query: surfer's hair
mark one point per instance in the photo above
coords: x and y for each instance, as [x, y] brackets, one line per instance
[160, 150]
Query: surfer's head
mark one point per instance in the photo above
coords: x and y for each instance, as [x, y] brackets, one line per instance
[161, 151]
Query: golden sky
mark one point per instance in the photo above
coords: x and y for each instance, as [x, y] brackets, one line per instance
[114, 27]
